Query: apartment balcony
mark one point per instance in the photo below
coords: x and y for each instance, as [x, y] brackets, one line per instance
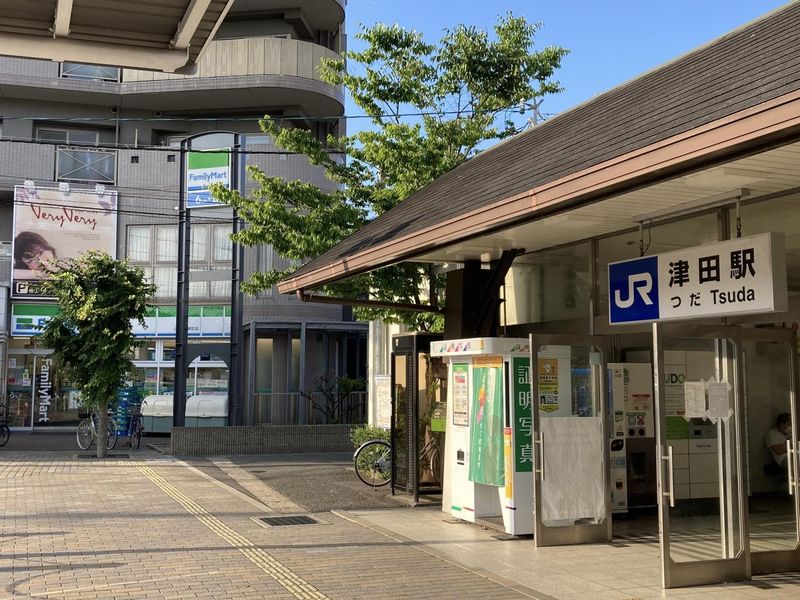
[238, 74]
[50, 163]
[253, 73]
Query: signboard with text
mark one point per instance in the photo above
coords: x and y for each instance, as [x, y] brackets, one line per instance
[203, 169]
[735, 277]
[50, 224]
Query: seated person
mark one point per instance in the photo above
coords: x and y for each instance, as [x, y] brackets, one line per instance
[775, 440]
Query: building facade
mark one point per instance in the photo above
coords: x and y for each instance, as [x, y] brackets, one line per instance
[74, 133]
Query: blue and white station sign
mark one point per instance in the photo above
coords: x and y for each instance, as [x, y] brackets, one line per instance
[736, 277]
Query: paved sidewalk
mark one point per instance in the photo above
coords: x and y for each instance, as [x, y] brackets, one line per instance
[155, 527]
[150, 526]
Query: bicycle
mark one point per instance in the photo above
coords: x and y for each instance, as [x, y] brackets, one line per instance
[87, 431]
[5, 432]
[136, 427]
[373, 461]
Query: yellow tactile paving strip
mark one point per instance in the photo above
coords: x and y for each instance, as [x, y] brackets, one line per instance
[293, 583]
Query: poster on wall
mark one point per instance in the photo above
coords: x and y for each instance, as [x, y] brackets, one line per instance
[383, 401]
[548, 384]
[50, 224]
[460, 395]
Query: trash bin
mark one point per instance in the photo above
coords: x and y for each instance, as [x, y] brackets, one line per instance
[207, 410]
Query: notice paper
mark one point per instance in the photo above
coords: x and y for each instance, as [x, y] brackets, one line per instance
[719, 405]
[695, 393]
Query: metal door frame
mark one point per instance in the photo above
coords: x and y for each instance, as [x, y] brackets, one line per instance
[704, 571]
[569, 534]
[776, 561]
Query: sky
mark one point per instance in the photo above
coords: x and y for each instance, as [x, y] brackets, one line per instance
[610, 41]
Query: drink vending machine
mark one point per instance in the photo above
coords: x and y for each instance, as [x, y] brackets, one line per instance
[488, 444]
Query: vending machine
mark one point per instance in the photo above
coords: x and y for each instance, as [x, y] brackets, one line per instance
[632, 435]
[488, 444]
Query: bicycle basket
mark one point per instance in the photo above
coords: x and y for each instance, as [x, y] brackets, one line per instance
[84, 414]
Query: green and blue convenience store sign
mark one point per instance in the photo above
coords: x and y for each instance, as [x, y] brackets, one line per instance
[204, 321]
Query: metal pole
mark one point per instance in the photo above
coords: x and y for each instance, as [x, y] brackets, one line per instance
[237, 261]
[182, 313]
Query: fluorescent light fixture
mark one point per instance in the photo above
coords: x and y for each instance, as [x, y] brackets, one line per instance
[63, 187]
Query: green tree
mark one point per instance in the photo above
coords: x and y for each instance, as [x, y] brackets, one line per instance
[430, 108]
[91, 336]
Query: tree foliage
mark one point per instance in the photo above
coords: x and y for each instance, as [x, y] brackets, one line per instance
[91, 336]
[431, 107]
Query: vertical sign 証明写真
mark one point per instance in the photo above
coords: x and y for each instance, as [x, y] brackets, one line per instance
[735, 277]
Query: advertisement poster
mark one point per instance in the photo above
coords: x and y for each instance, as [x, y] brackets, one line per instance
[548, 384]
[50, 225]
[487, 463]
[460, 395]
[508, 458]
[383, 401]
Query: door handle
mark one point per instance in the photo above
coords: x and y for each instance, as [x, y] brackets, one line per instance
[540, 470]
[671, 492]
[790, 474]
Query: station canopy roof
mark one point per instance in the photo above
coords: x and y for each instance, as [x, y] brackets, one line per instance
[722, 118]
[159, 35]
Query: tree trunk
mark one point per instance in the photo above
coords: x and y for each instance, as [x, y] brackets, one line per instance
[102, 430]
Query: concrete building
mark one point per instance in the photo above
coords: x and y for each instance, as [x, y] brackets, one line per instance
[74, 133]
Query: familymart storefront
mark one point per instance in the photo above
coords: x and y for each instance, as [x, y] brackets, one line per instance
[644, 249]
[38, 397]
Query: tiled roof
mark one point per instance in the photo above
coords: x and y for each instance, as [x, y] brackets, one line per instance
[742, 69]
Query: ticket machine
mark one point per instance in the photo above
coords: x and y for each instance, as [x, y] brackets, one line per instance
[488, 445]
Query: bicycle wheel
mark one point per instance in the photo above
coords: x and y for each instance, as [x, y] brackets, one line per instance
[136, 437]
[5, 434]
[373, 463]
[84, 435]
[112, 435]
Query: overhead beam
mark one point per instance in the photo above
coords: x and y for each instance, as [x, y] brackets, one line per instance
[93, 53]
[309, 297]
[189, 23]
[62, 18]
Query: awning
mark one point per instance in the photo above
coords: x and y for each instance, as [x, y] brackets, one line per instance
[160, 35]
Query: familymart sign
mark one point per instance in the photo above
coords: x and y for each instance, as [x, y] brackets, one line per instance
[203, 169]
[736, 277]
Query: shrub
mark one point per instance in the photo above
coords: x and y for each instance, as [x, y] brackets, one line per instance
[365, 433]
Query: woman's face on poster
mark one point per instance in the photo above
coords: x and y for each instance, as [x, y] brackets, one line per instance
[35, 257]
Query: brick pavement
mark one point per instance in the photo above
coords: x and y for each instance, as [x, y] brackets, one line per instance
[155, 527]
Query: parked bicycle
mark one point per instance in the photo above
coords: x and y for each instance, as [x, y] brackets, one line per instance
[87, 431]
[136, 427]
[373, 461]
[5, 432]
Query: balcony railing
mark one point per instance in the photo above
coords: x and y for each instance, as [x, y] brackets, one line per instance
[249, 56]
[86, 164]
[285, 409]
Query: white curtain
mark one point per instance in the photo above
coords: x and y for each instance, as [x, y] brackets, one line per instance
[167, 244]
[139, 243]
[222, 244]
[166, 279]
[199, 236]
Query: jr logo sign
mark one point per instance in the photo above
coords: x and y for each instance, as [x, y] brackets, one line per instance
[633, 289]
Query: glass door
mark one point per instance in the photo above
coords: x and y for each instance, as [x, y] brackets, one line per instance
[769, 361]
[571, 479]
[21, 390]
[700, 452]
